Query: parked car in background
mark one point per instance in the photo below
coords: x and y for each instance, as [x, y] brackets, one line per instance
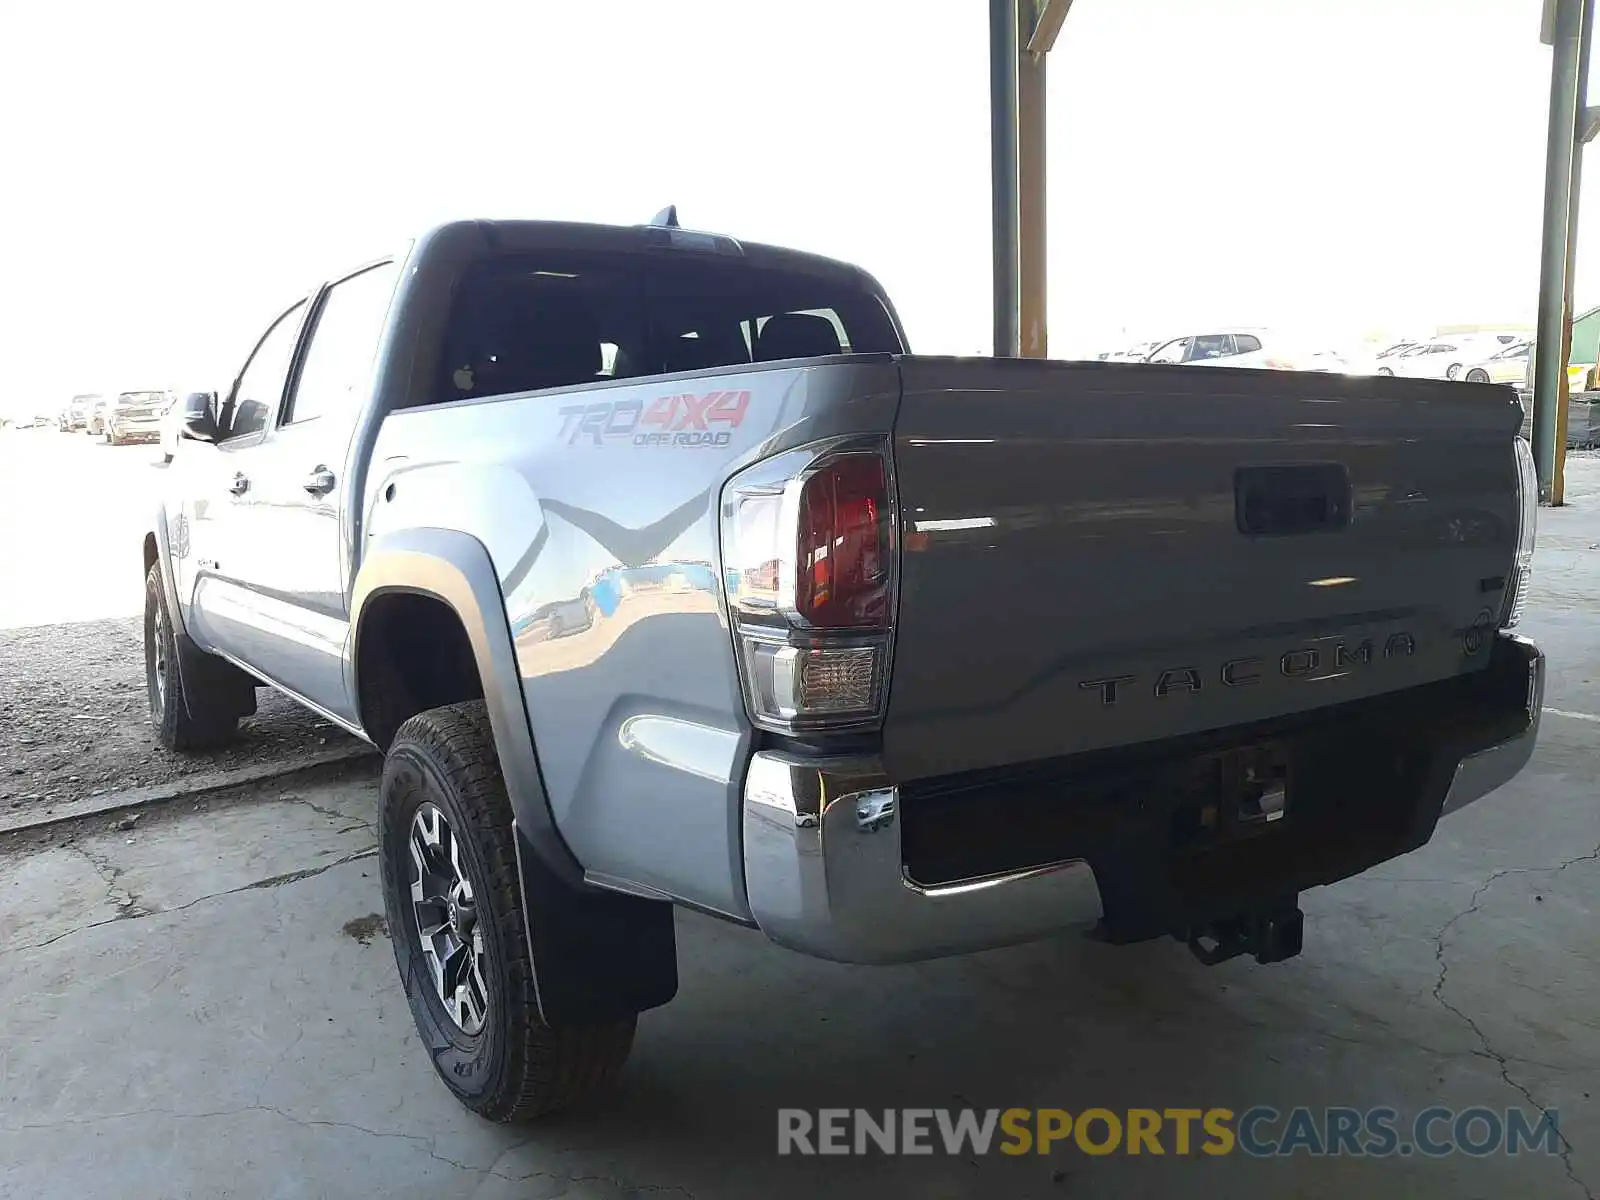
[1223, 348]
[1509, 364]
[1255, 347]
[94, 416]
[1440, 358]
[75, 413]
[130, 417]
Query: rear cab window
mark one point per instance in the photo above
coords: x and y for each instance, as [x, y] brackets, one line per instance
[522, 322]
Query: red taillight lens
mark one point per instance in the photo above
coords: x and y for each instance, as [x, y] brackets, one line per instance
[808, 567]
[842, 556]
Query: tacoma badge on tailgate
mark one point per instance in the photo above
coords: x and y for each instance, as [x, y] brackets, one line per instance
[1299, 663]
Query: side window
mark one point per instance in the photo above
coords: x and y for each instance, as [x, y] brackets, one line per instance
[1212, 345]
[343, 344]
[261, 386]
[1247, 343]
[1173, 352]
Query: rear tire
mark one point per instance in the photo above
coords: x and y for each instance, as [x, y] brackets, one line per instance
[213, 722]
[1385, 371]
[442, 773]
[1477, 376]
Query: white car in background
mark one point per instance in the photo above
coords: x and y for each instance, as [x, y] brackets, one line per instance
[1263, 349]
[1224, 348]
[1446, 357]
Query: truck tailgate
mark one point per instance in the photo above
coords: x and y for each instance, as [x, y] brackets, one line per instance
[1101, 555]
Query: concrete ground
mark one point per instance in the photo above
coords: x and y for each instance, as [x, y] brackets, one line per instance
[205, 1005]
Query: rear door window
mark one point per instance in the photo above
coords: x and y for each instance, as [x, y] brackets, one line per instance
[344, 342]
[525, 322]
[1246, 343]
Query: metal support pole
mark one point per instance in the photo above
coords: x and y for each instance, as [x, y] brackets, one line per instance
[1550, 365]
[1032, 222]
[1003, 59]
[1558, 476]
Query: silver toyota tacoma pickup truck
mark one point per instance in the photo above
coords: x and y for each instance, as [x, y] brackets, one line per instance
[664, 575]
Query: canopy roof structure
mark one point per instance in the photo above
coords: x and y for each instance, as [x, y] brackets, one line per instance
[1021, 35]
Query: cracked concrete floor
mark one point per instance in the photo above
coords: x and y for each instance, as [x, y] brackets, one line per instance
[202, 1007]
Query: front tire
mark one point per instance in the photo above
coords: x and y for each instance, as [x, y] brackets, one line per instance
[212, 723]
[1477, 376]
[448, 861]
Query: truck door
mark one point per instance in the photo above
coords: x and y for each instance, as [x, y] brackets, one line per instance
[213, 551]
[297, 561]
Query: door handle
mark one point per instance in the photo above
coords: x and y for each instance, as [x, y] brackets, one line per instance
[319, 482]
[239, 485]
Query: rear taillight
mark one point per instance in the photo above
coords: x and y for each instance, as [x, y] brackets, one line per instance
[808, 555]
[1527, 528]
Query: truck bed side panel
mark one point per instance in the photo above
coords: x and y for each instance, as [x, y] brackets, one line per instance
[598, 506]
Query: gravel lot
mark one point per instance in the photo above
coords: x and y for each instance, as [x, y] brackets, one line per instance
[74, 721]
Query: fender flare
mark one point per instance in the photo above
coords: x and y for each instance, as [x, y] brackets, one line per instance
[169, 583]
[597, 955]
[455, 569]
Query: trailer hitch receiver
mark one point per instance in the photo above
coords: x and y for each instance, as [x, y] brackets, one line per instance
[1270, 934]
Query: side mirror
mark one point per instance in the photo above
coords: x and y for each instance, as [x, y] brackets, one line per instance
[197, 417]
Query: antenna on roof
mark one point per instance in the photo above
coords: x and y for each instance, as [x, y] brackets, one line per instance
[668, 216]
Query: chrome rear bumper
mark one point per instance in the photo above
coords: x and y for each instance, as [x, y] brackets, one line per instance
[824, 875]
[1482, 771]
[824, 868]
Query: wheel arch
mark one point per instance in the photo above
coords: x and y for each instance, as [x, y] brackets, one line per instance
[451, 572]
[158, 549]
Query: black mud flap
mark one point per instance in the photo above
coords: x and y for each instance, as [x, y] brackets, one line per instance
[222, 684]
[597, 955]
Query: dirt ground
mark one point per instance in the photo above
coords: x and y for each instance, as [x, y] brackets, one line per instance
[74, 719]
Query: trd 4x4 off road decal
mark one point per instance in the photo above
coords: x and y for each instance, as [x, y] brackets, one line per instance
[677, 421]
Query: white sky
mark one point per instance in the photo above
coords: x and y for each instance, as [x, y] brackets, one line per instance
[176, 173]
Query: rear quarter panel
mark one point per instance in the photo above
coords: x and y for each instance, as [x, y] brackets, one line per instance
[598, 506]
